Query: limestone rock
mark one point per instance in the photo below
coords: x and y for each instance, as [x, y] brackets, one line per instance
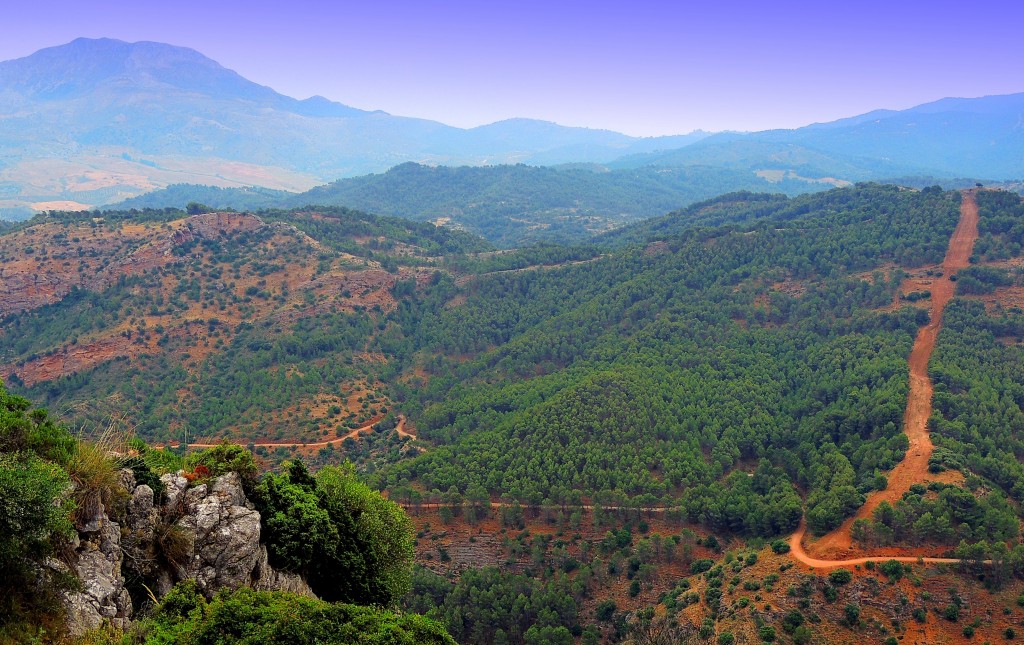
[225, 535]
[98, 566]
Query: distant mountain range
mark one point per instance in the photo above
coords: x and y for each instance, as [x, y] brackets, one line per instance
[94, 121]
[982, 137]
[97, 121]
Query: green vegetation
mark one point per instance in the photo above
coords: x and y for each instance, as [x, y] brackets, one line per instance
[252, 617]
[348, 541]
[351, 544]
[615, 351]
[35, 516]
[510, 206]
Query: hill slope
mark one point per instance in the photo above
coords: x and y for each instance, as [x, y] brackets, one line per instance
[509, 205]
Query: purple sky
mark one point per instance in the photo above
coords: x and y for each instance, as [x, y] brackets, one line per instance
[638, 67]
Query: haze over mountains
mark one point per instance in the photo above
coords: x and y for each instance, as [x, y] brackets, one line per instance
[96, 121]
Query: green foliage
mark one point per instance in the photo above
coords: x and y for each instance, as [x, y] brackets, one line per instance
[35, 515]
[350, 543]
[296, 529]
[605, 610]
[780, 547]
[225, 458]
[578, 351]
[374, 553]
[253, 617]
[840, 577]
[34, 518]
[486, 602]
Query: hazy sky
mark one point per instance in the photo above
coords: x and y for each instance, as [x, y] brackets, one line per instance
[638, 67]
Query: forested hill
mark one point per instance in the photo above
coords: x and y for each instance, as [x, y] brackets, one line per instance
[741, 364]
[509, 205]
[771, 349]
[751, 350]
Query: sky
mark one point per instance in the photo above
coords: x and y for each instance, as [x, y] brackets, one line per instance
[643, 68]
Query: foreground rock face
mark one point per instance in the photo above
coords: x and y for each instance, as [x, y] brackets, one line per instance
[209, 533]
[225, 532]
[98, 560]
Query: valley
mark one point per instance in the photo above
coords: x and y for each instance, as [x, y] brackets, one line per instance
[751, 350]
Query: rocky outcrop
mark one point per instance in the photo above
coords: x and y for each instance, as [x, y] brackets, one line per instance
[225, 532]
[97, 563]
[212, 529]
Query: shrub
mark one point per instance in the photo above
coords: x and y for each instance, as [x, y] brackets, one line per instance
[223, 459]
[893, 569]
[32, 524]
[700, 566]
[851, 614]
[726, 638]
[780, 547]
[840, 577]
[252, 616]
[605, 610]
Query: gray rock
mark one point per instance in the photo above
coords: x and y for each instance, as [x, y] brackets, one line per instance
[266, 578]
[225, 536]
[174, 495]
[98, 566]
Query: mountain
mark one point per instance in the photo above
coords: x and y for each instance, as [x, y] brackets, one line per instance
[953, 137]
[98, 120]
[509, 205]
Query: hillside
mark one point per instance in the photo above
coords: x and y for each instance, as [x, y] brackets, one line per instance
[96, 121]
[752, 351]
[509, 205]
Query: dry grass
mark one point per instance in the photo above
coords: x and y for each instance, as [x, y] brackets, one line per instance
[95, 473]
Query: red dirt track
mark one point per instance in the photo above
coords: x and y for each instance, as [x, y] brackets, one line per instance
[914, 467]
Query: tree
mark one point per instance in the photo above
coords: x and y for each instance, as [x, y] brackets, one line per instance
[375, 540]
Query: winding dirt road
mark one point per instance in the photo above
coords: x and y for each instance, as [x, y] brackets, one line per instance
[400, 429]
[914, 467]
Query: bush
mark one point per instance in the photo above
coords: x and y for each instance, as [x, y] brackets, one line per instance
[351, 543]
[893, 569]
[851, 614]
[780, 547]
[840, 577]
[700, 566]
[767, 634]
[248, 616]
[223, 459]
[726, 638]
[605, 610]
[31, 525]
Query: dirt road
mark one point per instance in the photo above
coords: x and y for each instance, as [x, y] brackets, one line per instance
[313, 444]
[914, 467]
